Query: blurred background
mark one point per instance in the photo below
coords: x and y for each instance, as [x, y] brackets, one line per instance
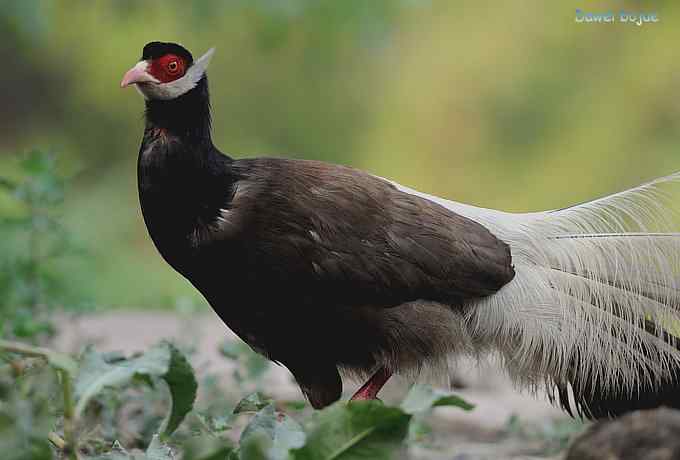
[507, 105]
[510, 105]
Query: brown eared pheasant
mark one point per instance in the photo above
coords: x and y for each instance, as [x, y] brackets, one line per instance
[329, 270]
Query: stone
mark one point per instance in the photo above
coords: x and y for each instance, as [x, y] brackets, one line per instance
[649, 434]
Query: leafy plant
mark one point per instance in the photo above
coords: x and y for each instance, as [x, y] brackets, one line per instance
[33, 238]
[81, 381]
[251, 366]
[68, 408]
[163, 361]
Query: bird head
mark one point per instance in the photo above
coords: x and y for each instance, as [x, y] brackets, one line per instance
[166, 71]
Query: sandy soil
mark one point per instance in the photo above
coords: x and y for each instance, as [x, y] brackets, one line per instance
[480, 434]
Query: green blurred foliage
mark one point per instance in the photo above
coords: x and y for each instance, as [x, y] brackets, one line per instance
[29, 406]
[88, 412]
[33, 248]
[501, 104]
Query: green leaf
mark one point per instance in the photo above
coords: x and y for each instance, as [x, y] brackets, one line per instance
[215, 424]
[255, 447]
[118, 452]
[254, 364]
[116, 456]
[158, 451]
[182, 384]
[63, 362]
[208, 448]
[163, 361]
[253, 403]
[295, 405]
[96, 374]
[359, 430]
[270, 435]
[60, 361]
[419, 431]
[422, 398]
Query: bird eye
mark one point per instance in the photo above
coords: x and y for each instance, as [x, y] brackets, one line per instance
[173, 66]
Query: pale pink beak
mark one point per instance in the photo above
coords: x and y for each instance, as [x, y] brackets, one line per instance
[137, 74]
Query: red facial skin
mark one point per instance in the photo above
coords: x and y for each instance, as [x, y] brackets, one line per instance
[167, 68]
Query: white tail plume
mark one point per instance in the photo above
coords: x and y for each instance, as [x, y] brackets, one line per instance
[595, 301]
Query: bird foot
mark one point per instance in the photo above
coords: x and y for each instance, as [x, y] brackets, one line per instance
[370, 389]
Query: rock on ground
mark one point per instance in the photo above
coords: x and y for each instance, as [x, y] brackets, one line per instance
[651, 435]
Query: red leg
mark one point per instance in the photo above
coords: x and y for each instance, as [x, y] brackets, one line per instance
[370, 389]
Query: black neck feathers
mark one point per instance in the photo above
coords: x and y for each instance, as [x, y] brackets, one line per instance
[186, 116]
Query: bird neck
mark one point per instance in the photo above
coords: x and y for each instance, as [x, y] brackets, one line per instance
[186, 117]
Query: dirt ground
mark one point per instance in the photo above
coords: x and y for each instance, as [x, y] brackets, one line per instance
[505, 424]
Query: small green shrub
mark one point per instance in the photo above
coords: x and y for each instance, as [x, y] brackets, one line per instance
[32, 240]
[54, 405]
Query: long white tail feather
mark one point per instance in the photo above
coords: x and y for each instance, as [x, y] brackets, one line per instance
[595, 302]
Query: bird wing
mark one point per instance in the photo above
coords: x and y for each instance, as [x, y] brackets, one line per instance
[333, 233]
